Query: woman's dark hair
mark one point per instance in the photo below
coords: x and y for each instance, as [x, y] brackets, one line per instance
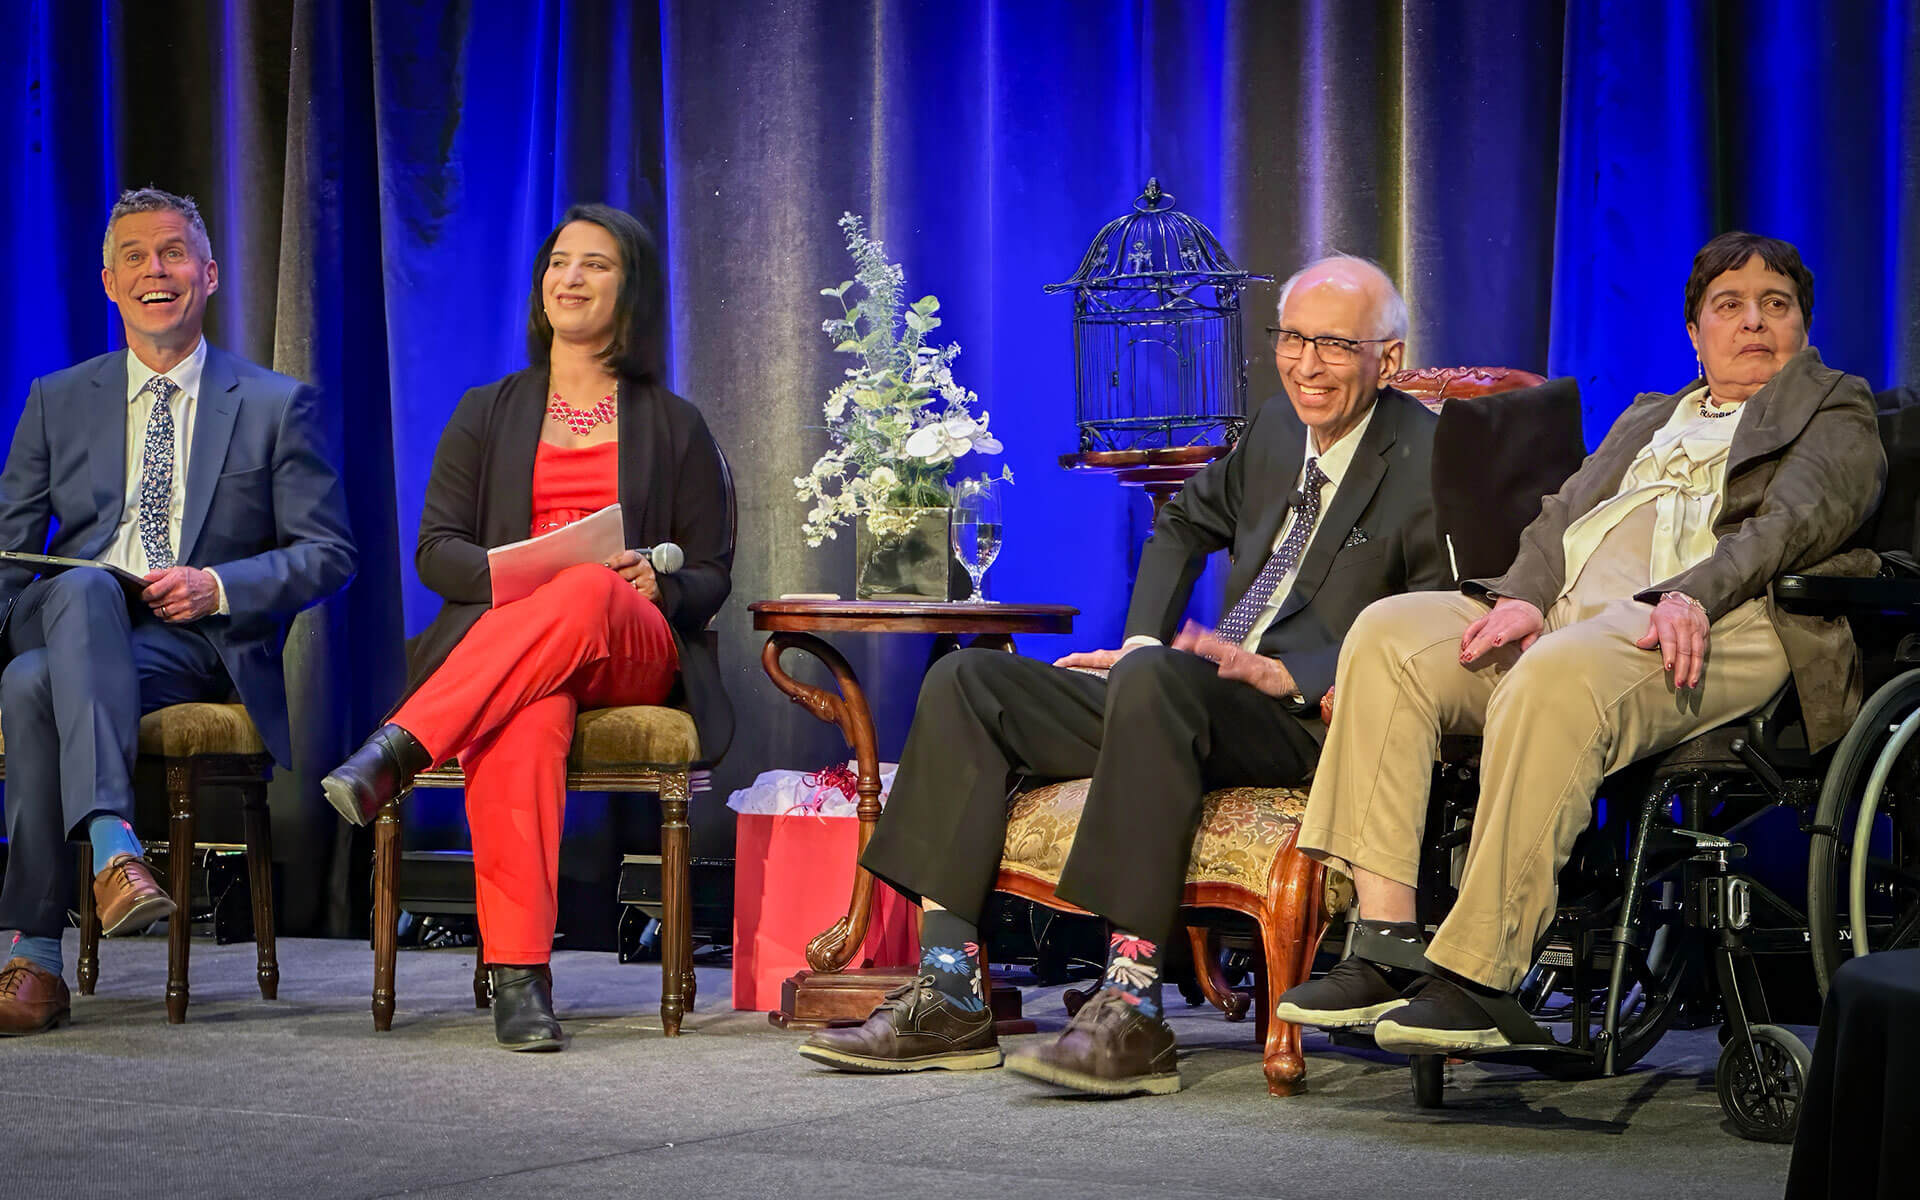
[1730, 252]
[634, 351]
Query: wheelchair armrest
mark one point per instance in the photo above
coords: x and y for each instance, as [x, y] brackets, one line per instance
[1843, 596]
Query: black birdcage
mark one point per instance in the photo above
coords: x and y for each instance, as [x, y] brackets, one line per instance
[1156, 333]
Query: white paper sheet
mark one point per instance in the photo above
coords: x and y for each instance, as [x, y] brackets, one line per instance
[520, 567]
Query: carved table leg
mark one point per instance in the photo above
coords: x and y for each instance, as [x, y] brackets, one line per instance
[1290, 930]
[180, 782]
[834, 948]
[386, 914]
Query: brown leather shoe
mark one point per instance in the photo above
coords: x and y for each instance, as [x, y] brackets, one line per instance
[916, 1028]
[1109, 1049]
[32, 999]
[127, 896]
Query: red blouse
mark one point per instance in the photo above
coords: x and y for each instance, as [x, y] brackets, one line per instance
[571, 482]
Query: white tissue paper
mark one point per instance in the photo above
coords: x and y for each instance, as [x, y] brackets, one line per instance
[830, 792]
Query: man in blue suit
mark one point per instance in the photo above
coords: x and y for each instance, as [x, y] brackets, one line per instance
[203, 475]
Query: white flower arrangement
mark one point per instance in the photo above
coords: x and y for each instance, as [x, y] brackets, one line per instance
[899, 419]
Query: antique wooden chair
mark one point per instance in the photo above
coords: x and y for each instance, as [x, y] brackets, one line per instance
[1243, 858]
[631, 749]
[198, 746]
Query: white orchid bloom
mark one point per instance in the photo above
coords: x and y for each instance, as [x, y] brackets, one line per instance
[951, 438]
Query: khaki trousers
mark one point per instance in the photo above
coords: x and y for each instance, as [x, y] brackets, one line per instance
[1581, 702]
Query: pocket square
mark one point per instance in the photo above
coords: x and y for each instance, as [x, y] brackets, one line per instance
[1357, 538]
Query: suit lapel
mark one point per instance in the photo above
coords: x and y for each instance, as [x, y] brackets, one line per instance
[214, 411]
[1779, 411]
[1364, 473]
[105, 416]
[523, 411]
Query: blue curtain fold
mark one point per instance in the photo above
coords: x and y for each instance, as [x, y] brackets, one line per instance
[378, 176]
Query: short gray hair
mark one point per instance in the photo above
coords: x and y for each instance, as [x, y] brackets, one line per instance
[1393, 322]
[152, 199]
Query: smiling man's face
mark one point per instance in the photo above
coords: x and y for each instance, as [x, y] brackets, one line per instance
[160, 281]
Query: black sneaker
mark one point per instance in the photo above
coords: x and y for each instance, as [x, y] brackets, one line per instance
[1353, 994]
[1439, 1017]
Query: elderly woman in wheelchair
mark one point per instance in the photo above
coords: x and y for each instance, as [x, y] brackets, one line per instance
[1635, 616]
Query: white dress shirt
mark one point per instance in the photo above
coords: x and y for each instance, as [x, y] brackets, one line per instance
[1334, 462]
[126, 550]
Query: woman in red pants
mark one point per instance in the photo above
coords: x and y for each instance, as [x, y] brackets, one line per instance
[497, 687]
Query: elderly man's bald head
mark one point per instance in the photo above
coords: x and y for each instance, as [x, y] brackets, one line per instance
[1362, 274]
[1341, 335]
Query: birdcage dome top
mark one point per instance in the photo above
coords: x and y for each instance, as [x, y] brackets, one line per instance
[1151, 245]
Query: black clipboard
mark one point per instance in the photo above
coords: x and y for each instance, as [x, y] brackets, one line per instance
[53, 564]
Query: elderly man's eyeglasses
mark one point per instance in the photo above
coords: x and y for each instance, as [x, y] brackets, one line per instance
[1334, 351]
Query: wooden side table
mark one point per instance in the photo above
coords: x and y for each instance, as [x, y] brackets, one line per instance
[828, 992]
[1158, 472]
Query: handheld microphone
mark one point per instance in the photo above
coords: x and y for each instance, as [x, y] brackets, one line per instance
[666, 558]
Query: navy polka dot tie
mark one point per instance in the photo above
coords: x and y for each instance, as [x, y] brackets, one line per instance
[1238, 622]
[156, 476]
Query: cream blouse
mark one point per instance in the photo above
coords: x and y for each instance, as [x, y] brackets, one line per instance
[1682, 472]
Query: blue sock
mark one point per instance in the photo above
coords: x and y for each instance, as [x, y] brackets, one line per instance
[42, 952]
[111, 836]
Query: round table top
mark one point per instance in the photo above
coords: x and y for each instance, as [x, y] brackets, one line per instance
[895, 616]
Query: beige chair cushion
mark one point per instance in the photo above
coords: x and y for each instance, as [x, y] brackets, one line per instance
[1242, 832]
[184, 730]
[609, 738]
[191, 730]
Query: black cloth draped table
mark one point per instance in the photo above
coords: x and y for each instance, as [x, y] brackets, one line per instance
[1859, 1135]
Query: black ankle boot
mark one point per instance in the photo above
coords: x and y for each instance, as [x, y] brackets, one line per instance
[377, 772]
[523, 1008]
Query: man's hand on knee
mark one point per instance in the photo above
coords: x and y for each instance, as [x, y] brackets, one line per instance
[1236, 662]
[1095, 660]
[181, 594]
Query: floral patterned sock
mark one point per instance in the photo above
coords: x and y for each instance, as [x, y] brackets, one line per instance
[1133, 970]
[950, 952]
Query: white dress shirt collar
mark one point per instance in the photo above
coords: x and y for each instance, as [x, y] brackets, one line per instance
[1339, 456]
[186, 374]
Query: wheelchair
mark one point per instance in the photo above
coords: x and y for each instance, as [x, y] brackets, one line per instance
[1657, 924]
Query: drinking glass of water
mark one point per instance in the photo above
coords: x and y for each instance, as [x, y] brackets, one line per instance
[975, 529]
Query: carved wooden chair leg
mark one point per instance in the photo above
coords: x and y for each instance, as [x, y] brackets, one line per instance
[482, 993]
[1288, 930]
[181, 781]
[1206, 966]
[88, 968]
[386, 914]
[676, 934]
[259, 835]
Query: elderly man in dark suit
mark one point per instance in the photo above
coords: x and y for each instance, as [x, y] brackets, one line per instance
[1325, 505]
[202, 475]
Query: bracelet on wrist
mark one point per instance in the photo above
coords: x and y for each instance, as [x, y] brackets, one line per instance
[1687, 600]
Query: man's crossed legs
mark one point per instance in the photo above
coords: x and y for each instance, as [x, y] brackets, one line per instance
[1155, 734]
[84, 669]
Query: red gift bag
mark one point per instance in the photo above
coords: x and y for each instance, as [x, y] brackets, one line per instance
[792, 876]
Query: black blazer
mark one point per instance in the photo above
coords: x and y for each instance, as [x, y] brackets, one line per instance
[264, 506]
[1375, 539]
[672, 489]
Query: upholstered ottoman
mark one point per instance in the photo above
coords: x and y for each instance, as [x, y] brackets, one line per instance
[1243, 860]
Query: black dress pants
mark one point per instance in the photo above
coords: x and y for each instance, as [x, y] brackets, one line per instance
[85, 668]
[1160, 731]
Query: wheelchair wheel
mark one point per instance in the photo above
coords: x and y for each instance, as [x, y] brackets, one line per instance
[1761, 1091]
[1429, 1073]
[1863, 868]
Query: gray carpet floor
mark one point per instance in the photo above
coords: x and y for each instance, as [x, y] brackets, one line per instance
[299, 1097]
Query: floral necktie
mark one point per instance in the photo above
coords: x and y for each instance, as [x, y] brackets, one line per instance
[1238, 622]
[156, 476]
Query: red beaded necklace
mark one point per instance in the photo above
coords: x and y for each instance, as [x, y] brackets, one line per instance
[583, 421]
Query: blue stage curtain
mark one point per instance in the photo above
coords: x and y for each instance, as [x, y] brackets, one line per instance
[378, 176]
